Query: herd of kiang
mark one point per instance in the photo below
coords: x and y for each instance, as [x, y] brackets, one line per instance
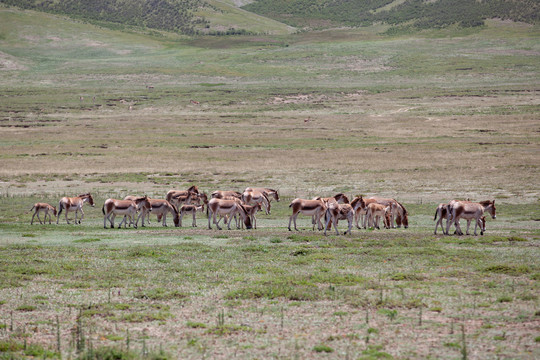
[325, 212]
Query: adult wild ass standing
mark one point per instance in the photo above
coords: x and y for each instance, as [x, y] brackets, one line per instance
[336, 212]
[339, 198]
[398, 213]
[45, 208]
[74, 204]
[128, 208]
[143, 210]
[270, 193]
[470, 211]
[161, 208]
[442, 213]
[229, 208]
[314, 208]
[200, 198]
[179, 200]
[256, 197]
[220, 194]
[361, 204]
[193, 190]
[252, 213]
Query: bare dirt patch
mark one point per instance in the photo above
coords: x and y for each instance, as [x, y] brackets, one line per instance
[10, 63]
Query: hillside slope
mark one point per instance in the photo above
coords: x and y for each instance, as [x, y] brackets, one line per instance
[417, 13]
[225, 16]
[189, 17]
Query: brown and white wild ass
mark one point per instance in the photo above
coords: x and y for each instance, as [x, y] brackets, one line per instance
[42, 208]
[470, 211]
[375, 212]
[270, 193]
[179, 200]
[229, 208]
[161, 208]
[220, 194]
[128, 208]
[336, 212]
[254, 197]
[251, 210]
[314, 208]
[252, 213]
[398, 213]
[143, 211]
[340, 198]
[360, 205]
[184, 209]
[200, 199]
[74, 204]
[442, 213]
[192, 189]
[182, 195]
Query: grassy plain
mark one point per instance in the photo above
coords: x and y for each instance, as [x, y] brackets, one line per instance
[423, 118]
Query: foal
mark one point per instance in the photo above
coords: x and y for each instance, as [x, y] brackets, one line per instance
[190, 209]
[42, 207]
[375, 212]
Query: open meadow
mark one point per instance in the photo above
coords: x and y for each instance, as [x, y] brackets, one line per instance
[423, 118]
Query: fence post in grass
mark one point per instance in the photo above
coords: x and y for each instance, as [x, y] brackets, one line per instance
[463, 344]
[282, 317]
[127, 340]
[11, 321]
[367, 315]
[221, 318]
[420, 316]
[143, 348]
[58, 344]
[79, 333]
[90, 349]
[367, 336]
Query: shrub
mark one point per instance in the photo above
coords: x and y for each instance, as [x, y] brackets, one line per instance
[323, 348]
[513, 270]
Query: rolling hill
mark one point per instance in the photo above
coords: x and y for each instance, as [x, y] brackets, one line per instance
[189, 17]
[245, 17]
[411, 13]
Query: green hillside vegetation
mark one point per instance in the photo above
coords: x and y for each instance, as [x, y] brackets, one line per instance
[418, 14]
[225, 18]
[188, 17]
[214, 17]
[168, 15]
